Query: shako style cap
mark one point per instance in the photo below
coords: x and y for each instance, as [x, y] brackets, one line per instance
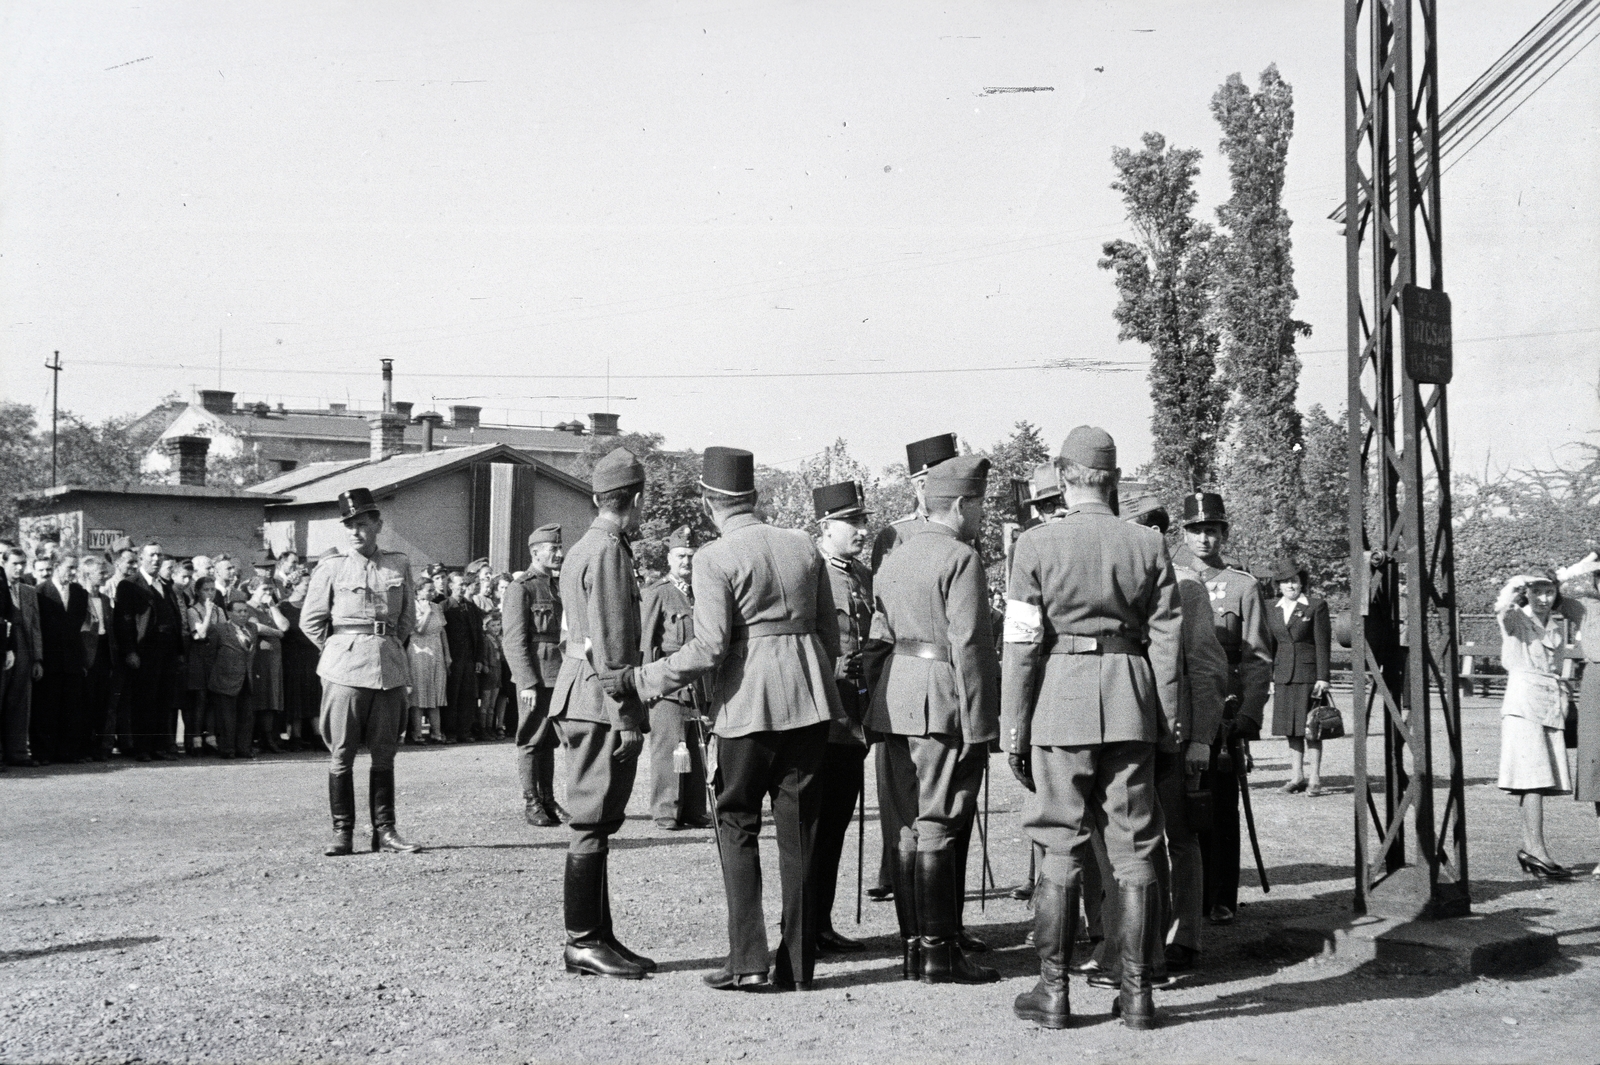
[842, 500]
[1091, 447]
[1202, 507]
[964, 475]
[682, 539]
[545, 534]
[619, 469]
[728, 471]
[926, 454]
[1043, 485]
[355, 502]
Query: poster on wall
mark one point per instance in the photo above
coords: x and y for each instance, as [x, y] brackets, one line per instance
[64, 530]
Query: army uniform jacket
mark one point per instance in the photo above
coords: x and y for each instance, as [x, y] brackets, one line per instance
[851, 584]
[893, 535]
[1203, 681]
[1242, 629]
[601, 601]
[362, 593]
[530, 636]
[764, 631]
[931, 656]
[1073, 582]
[666, 623]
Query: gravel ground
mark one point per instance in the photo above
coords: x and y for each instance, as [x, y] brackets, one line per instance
[183, 912]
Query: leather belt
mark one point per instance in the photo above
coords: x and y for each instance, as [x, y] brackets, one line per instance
[936, 652]
[786, 627]
[1110, 643]
[364, 628]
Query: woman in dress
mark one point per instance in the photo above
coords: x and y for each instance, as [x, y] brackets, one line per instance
[1533, 752]
[302, 688]
[1301, 636]
[430, 666]
[266, 679]
[200, 614]
[1584, 610]
[489, 680]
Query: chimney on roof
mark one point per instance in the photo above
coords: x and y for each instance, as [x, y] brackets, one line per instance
[216, 401]
[403, 409]
[462, 417]
[337, 408]
[188, 457]
[431, 420]
[603, 425]
[388, 435]
[388, 383]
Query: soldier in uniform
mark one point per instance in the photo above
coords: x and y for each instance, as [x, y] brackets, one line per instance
[921, 456]
[764, 635]
[1093, 643]
[1241, 627]
[358, 611]
[842, 517]
[531, 641]
[677, 797]
[935, 700]
[602, 732]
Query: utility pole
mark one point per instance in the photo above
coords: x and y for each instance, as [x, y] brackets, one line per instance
[54, 367]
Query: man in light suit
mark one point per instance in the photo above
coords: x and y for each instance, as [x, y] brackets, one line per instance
[765, 634]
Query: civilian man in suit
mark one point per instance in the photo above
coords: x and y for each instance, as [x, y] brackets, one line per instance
[463, 632]
[677, 799]
[151, 636]
[61, 726]
[764, 635]
[932, 673]
[8, 653]
[97, 659]
[530, 637]
[1093, 646]
[27, 661]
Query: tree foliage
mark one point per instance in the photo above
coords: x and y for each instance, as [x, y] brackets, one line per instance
[1325, 504]
[87, 453]
[1015, 456]
[1164, 281]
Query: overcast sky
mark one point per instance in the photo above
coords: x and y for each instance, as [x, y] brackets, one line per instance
[506, 198]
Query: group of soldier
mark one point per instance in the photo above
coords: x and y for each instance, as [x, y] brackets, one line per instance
[769, 660]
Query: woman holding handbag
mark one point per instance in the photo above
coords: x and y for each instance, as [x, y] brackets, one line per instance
[1302, 641]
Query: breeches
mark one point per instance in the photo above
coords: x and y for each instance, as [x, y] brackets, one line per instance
[1111, 787]
[598, 784]
[934, 783]
[353, 716]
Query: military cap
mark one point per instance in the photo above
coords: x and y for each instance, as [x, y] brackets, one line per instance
[842, 500]
[1043, 484]
[681, 539]
[355, 502]
[926, 454]
[1200, 508]
[619, 469]
[545, 534]
[1090, 447]
[964, 475]
[728, 471]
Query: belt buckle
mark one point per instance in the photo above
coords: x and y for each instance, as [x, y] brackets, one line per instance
[380, 628]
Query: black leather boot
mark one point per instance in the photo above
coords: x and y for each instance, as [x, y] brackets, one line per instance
[1055, 927]
[544, 762]
[533, 807]
[342, 802]
[942, 959]
[380, 783]
[1140, 914]
[610, 932]
[903, 873]
[584, 900]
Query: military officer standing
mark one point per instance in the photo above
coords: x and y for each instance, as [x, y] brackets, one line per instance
[921, 456]
[531, 640]
[677, 796]
[934, 680]
[358, 611]
[842, 536]
[1241, 627]
[764, 634]
[602, 732]
[1093, 643]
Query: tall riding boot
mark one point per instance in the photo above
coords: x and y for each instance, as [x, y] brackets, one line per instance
[903, 876]
[1055, 926]
[610, 931]
[1140, 915]
[942, 959]
[533, 809]
[380, 784]
[970, 943]
[588, 952]
[544, 761]
[342, 801]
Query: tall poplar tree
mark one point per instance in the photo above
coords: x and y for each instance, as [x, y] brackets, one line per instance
[1164, 278]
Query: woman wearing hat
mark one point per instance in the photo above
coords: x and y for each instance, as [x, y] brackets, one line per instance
[1298, 626]
[1533, 753]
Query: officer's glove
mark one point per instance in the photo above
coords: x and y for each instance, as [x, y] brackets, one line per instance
[620, 684]
[1021, 768]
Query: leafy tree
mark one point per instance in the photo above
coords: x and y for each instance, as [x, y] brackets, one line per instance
[1015, 456]
[1325, 505]
[87, 453]
[672, 493]
[1164, 281]
[1254, 305]
[786, 497]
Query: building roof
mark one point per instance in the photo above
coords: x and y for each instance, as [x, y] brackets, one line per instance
[189, 491]
[350, 427]
[305, 474]
[398, 471]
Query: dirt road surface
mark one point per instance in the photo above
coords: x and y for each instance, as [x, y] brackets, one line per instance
[183, 912]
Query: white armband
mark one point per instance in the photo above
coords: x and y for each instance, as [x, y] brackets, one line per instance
[1024, 622]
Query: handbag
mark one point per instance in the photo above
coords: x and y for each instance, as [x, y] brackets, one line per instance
[1323, 720]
